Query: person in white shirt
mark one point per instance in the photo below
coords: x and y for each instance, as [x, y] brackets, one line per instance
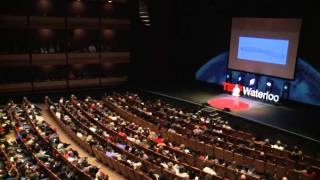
[277, 146]
[236, 95]
[210, 170]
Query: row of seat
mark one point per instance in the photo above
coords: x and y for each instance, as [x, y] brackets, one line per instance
[31, 119]
[99, 150]
[78, 103]
[21, 122]
[238, 135]
[174, 137]
[148, 151]
[186, 157]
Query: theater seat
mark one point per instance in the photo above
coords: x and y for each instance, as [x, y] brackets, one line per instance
[209, 149]
[258, 166]
[247, 161]
[220, 170]
[238, 158]
[293, 175]
[270, 168]
[218, 152]
[231, 173]
[228, 156]
[281, 171]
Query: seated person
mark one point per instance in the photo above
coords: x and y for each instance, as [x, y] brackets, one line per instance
[210, 170]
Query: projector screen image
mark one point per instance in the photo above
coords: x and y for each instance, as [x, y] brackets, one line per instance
[265, 46]
[272, 51]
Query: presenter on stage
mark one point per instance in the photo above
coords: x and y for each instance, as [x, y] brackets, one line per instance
[236, 94]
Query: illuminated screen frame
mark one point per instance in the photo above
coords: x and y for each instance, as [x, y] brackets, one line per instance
[265, 28]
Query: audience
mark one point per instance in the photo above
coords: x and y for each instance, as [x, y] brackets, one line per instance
[196, 126]
[143, 148]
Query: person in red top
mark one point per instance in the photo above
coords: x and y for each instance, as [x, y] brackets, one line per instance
[93, 106]
[122, 134]
[159, 140]
[110, 138]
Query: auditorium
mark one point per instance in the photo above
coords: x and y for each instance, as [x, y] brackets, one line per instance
[159, 90]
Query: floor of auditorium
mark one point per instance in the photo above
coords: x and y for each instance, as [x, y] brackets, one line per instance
[65, 138]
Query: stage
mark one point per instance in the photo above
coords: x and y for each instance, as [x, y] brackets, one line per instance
[291, 120]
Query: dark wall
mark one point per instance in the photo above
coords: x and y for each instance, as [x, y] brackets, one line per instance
[187, 34]
[151, 45]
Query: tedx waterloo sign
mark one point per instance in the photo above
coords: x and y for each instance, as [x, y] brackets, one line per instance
[248, 91]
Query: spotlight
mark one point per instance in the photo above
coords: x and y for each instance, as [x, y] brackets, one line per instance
[269, 84]
[229, 77]
[240, 79]
[285, 90]
[286, 87]
[252, 82]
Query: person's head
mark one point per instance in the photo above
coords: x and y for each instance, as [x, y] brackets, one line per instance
[234, 163]
[278, 142]
[243, 177]
[182, 146]
[284, 178]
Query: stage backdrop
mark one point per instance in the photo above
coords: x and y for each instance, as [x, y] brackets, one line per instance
[304, 88]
